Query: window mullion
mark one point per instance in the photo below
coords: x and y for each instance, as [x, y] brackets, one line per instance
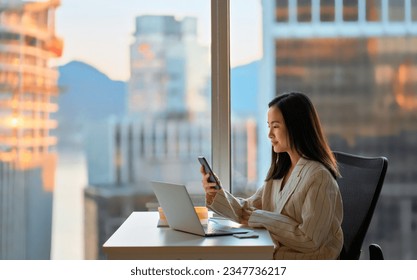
[220, 98]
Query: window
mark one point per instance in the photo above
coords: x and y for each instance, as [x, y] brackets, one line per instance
[304, 11]
[363, 87]
[245, 65]
[327, 12]
[150, 113]
[281, 12]
[350, 10]
[396, 10]
[152, 123]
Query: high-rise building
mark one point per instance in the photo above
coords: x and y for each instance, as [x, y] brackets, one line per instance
[356, 59]
[28, 87]
[169, 69]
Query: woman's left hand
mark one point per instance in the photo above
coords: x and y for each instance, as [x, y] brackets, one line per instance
[246, 213]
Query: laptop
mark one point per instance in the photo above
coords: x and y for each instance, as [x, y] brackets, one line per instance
[180, 214]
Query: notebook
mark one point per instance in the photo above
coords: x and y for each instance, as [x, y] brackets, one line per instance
[180, 214]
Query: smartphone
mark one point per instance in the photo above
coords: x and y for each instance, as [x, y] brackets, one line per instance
[208, 170]
[246, 235]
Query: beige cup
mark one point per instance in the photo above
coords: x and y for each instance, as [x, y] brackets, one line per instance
[202, 213]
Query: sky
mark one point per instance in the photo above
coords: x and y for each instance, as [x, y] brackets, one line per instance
[99, 32]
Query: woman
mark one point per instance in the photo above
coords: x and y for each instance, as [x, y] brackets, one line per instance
[299, 203]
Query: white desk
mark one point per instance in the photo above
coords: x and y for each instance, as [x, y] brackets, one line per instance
[139, 238]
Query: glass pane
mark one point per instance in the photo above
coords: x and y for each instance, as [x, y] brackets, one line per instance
[281, 11]
[364, 89]
[245, 41]
[414, 10]
[327, 10]
[350, 10]
[373, 10]
[134, 106]
[396, 10]
[304, 10]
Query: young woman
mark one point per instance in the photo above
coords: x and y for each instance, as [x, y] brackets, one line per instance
[299, 203]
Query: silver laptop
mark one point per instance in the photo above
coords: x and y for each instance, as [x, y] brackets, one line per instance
[180, 214]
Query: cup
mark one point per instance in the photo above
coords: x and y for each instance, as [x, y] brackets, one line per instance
[202, 213]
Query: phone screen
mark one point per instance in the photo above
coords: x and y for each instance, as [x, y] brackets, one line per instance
[208, 170]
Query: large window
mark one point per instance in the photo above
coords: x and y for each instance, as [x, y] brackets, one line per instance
[360, 73]
[145, 93]
[246, 113]
[136, 107]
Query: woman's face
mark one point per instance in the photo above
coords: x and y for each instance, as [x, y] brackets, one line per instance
[277, 130]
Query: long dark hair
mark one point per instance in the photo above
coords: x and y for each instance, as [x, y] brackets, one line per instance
[305, 135]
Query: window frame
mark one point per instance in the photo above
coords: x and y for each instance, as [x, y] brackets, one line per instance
[220, 95]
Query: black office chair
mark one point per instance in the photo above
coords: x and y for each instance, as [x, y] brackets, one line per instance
[375, 252]
[360, 186]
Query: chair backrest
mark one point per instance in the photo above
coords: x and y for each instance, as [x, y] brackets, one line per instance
[360, 186]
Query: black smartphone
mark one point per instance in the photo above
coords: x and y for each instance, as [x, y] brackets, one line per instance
[208, 170]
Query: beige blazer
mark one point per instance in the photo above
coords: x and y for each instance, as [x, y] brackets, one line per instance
[304, 219]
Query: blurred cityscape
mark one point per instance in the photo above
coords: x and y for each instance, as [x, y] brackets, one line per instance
[28, 92]
[72, 129]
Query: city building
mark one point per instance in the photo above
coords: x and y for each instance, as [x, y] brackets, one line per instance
[356, 59]
[28, 89]
[169, 69]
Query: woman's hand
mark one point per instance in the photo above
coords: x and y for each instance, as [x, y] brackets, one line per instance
[211, 191]
[209, 187]
[246, 213]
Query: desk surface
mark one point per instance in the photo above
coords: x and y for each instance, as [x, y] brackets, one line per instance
[140, 238]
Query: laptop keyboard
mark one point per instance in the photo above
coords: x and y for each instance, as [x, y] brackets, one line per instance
[213, 228]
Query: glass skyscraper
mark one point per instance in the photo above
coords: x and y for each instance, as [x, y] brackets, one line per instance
[28, 89]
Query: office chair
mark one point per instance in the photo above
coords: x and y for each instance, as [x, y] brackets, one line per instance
[375, 252]
[360, 186]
